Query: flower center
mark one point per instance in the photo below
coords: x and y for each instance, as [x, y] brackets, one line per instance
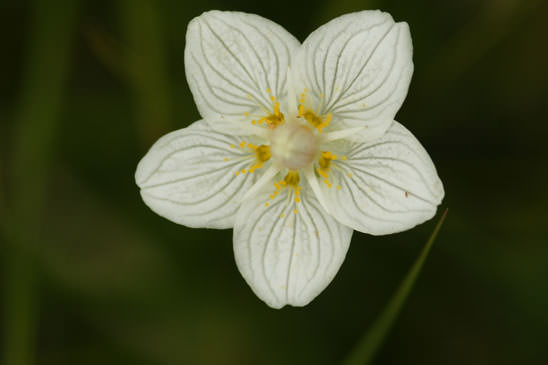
[293, 145]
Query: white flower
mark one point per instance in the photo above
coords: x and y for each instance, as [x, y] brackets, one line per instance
[297, 147]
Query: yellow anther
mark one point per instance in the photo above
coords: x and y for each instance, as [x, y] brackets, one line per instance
[325, 160]
[344, 158]
[350, 175]
[268, 90]
[232, 146]
[312, 118]
[263, 153]
[237, 173]
[338, 187]
[295, 211]
[282, 215]
[322, 173]
[266, 204]
[292, 178]
[243, 171]
[325, 163]
[246, 114]
[242, 144]
[253, 122]
[272, 97]
[276, 118]
[226, 159]
[325, 123]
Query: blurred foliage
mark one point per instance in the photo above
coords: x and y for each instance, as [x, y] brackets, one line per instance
[114, 283]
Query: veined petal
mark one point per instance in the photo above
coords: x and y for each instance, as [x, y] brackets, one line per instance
[380, 187]
[288, 251]
[236, 63]
[357, 68]
[195, 176]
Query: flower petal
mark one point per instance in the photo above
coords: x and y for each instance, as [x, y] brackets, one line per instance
[358, 68]
[194, 177]
[233, 61]
[288, 252]
[385, 186]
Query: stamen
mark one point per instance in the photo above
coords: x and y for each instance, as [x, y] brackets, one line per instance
[325, 164]
[262, 154]
[276, 118]
[292, 178]
[325, 123]
[290, 181]
[312, 118]
[302, 101]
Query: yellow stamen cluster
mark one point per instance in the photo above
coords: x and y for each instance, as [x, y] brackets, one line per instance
[276, 118]
[262, 154]
[324, 163]
[291, 180]
[273, 119]
[318, 122]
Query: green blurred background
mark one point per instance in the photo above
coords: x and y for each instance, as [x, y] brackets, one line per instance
[90, 275]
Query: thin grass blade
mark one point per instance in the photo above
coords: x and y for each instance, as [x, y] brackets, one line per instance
[370, 343]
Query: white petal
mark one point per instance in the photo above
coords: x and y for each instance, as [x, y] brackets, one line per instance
[382, 187]
[231, 60]
[189, 176]
[358, 68]
[288, 257]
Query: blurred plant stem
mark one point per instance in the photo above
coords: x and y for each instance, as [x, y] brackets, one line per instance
[370, 343]
[43, 84]
[147, 65]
